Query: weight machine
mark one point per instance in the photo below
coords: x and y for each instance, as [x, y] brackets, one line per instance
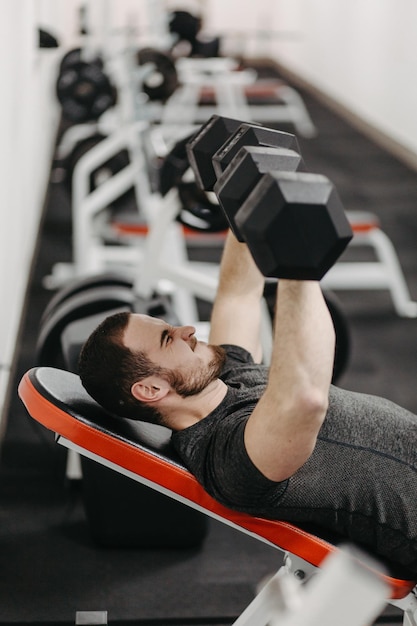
[319, 581]
[91, 254]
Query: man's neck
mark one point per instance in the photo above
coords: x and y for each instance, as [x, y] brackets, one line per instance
[185, 412]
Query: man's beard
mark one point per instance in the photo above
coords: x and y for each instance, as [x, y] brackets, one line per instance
[194, 384]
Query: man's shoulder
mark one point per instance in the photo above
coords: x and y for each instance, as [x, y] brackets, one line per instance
[237, 353]
[240, 370]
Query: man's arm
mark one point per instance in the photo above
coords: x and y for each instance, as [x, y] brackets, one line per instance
[281, 432]
[236, 313]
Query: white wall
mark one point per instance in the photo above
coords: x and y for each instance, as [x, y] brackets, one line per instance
[28, 121]
[361, 53]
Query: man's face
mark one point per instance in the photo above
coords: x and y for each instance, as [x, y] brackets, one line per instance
[188, 364]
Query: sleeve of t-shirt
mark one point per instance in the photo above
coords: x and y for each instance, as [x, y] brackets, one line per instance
[230, 474]
[214, 451]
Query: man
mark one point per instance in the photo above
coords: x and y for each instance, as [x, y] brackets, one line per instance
[279, 442]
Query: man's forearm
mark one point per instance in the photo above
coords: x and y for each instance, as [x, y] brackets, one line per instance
[304, 342]
[236, 313]
[281, 432]
[239, 275]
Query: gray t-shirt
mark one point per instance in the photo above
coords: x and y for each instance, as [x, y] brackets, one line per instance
[360, 483]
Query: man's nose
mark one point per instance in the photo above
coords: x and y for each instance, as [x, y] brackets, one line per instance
[186, 332]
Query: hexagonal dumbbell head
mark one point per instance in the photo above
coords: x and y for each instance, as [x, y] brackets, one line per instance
[295, 225]
[205, 143]
[245, 171]
[251, 135]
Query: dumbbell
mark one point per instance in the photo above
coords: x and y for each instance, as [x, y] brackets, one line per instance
[212, 148]
[292, 221]
[243, 173]
[264, 149]
[247, 150]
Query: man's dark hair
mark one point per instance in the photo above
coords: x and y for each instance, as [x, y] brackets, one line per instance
[108, 369]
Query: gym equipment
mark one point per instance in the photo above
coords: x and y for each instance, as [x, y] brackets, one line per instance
[125, 514]
[219, 140]
[294, 225]
[342, 335]
[104, 172]
[79, 285]
[203, 145]
[75, 310]
[233, 187]
[94, 300]
[197, 211]
[90, 255]
[293, 222]
[89, 302]
[120, 513]
[142, 452]
[189, 40]
[83, 89]
[251, 135]
[384, 273]
[245, 171]
[71, 59]
[184, 25]
[162, 81]
[220, 86]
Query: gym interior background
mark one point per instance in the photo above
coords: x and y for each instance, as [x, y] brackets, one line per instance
[359, 56]
[354, 63]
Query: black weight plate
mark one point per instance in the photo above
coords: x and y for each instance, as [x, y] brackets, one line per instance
[185, 25]
[343, 338]
[340, 322]
[90, 302]
[198, 212]
[70, 58]
[174, 165]
[84, 91]
[78, 285]
[163, 81]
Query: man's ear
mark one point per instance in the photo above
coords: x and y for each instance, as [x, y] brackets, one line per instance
[150, 389]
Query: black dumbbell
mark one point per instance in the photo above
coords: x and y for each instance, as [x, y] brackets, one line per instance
[203, 145]
[251, 135]
[294, 225]
[245, 171]
[247, 152]
[212, 148]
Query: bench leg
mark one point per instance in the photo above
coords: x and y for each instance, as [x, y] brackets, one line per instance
[409, 606]
[346, 592]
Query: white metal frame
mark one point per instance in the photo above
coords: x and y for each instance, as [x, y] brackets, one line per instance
[383, 273]
[91, 255]
[221, 74]
[229, 86]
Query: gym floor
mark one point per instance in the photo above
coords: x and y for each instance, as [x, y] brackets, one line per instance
[51, 567]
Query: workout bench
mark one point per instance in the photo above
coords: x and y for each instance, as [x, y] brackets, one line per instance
[384, 272]
[349, 590]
